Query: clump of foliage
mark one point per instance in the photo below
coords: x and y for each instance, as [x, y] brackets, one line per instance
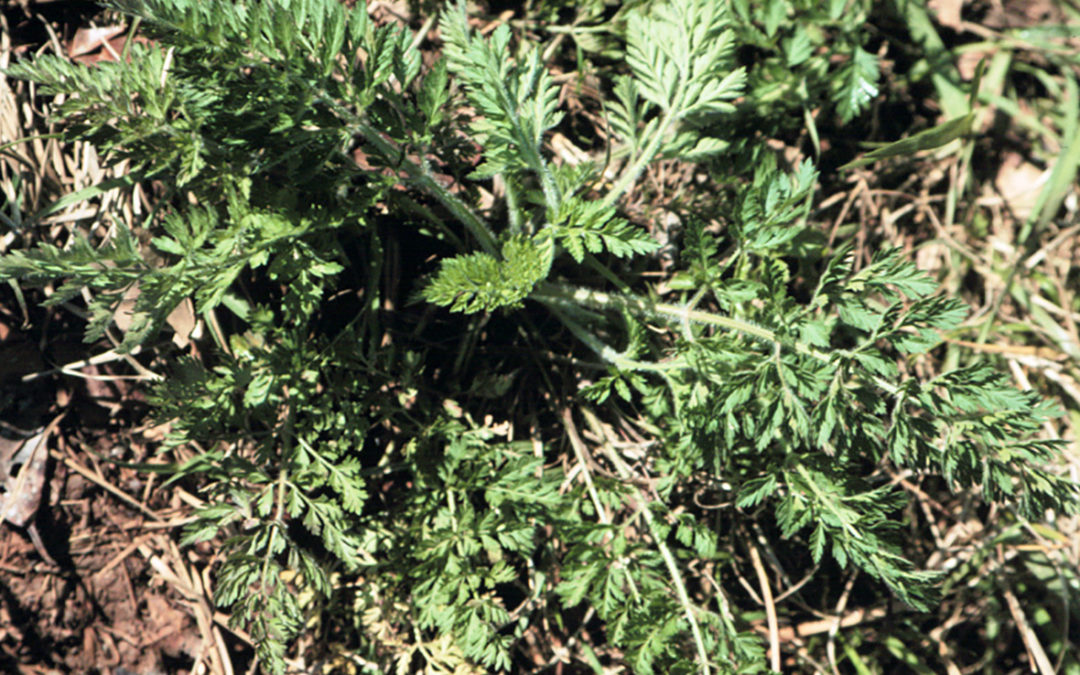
[446, 408]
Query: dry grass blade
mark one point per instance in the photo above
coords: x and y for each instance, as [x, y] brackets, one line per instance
[182, 577]
[98, 479]
[770, 607]
[1040, 662]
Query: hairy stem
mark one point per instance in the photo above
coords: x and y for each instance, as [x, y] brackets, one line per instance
[561, 297]
[559, 294]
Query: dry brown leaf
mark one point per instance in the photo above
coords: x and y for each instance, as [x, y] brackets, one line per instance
[566, 150]
[183, 321]
[1019, 182]
[126, 308]
[87, 40]
[1023, 13]
[968, 62]
[100, 44]
[948, 12]
[22, 492]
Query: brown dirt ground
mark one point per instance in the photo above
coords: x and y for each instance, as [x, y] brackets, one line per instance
[91, 577]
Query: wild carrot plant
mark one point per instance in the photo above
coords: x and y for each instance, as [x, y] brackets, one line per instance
[449, 402]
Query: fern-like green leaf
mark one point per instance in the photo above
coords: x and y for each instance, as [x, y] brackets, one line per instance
[478, 282]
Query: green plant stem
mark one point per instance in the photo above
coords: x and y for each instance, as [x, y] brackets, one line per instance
[279, 506]
[513, 210]
[602, 350]
[417, 174]
[823, 498]
[630, 175]
[426, 182]
[669, 560]
[559, 297]
[559, 294]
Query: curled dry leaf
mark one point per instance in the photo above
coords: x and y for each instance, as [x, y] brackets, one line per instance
[104, 43]
[87, 40]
